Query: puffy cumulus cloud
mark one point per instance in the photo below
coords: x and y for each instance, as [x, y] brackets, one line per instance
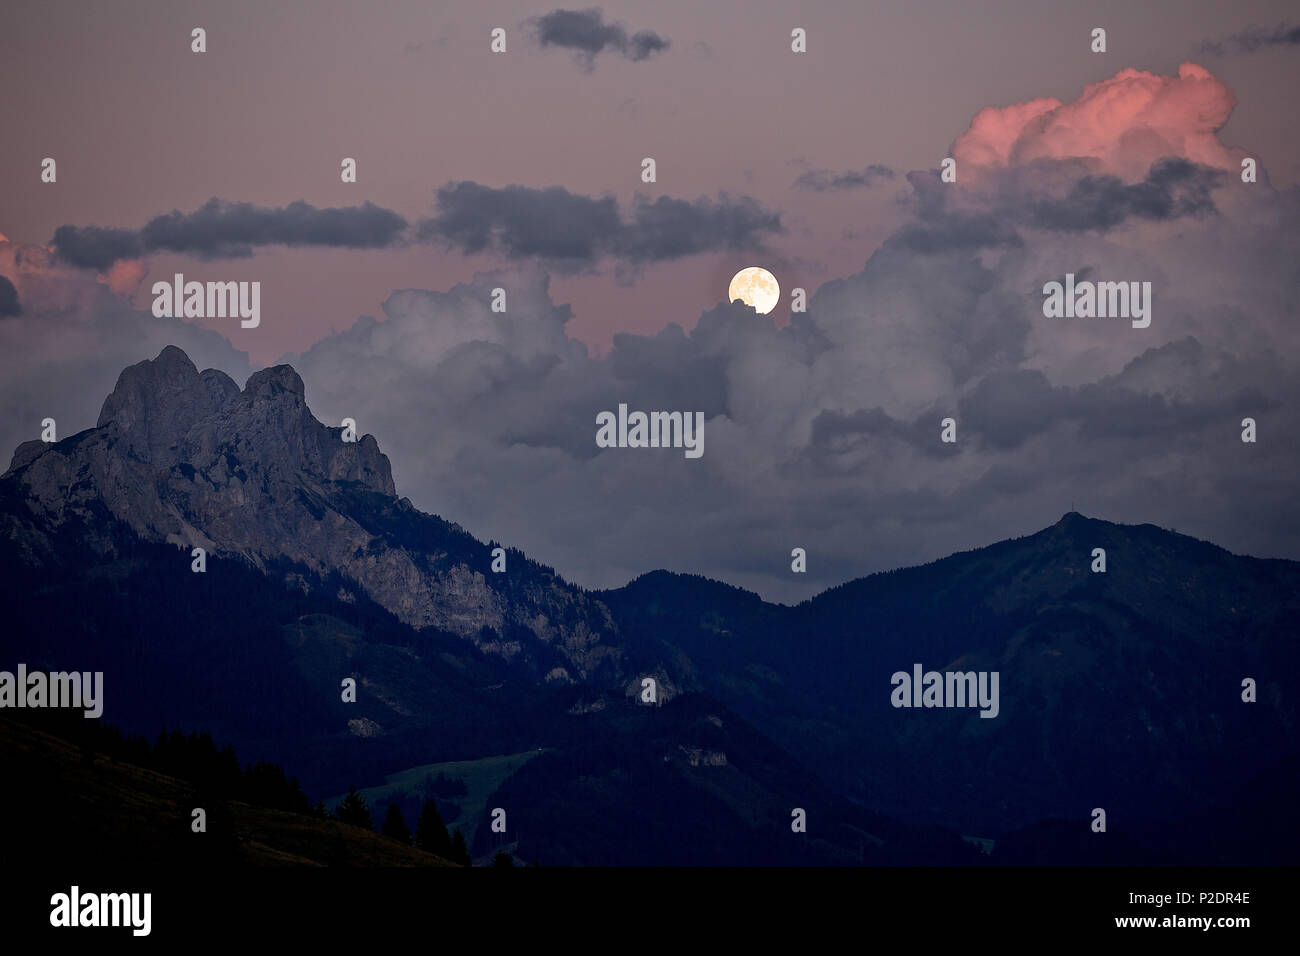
[825, 433]
[587, 33]
[572, 232]
[60, 357]
[1120, 125]
[223, 228]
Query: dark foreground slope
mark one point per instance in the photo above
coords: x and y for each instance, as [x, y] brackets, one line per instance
[64, 803]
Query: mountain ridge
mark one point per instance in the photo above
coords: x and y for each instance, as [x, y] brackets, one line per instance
[1120, 688]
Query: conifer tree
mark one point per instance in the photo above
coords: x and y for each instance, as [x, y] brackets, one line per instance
[459, 851]
[431, 833]
[395, 825]
[355, 810]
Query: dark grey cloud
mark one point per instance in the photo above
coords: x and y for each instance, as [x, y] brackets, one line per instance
[520, 221]
[92, 247]
[1056, 195]
[1173, 189]
[939, 226]
[1254, 38]
[839, 440]
[8, 299]
[571, 231]
[588, 34]
[1008, 407]
[568, 231]
[669, 228]
[823, 180]
[955, 231]
[220, 228]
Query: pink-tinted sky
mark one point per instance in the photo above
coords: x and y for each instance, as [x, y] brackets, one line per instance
[822, 428]
[141, 126]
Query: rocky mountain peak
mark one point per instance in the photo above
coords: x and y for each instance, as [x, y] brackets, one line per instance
[188, 458]
[156, 402]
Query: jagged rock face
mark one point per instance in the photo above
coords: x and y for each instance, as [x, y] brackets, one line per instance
[188, 458]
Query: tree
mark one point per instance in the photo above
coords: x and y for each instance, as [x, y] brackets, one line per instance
[431, 833]
[503, 859]
[459, 851]
[355, 810]
[395, 826]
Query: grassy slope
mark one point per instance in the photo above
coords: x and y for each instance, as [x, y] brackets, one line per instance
[481, 779]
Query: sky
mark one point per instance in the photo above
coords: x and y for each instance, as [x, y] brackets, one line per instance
[522, 170]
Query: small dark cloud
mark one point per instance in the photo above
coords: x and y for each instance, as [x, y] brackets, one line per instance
[1254, 38]
[90, 247]
[823, 180]
[234, 229]
[8, 299]
[587, 33]
[572, 231]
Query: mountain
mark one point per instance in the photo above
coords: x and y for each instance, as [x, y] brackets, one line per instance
[315, 573]
[1119, 689]
[188, 459]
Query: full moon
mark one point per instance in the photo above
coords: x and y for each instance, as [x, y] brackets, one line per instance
[755, 287]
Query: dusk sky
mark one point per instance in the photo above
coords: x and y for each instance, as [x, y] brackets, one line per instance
[523, 170]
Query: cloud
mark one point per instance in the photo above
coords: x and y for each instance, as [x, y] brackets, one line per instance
[60, 357]
[220, 228]
[1120, 126]
[519, 221]
[1173, 188]
[587, 33]
[8, 299]
[1255, 38]
[1057, 195]
[91, 247]
[823, 180]
[571, 231]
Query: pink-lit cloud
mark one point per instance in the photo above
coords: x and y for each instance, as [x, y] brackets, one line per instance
[1119, 126]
